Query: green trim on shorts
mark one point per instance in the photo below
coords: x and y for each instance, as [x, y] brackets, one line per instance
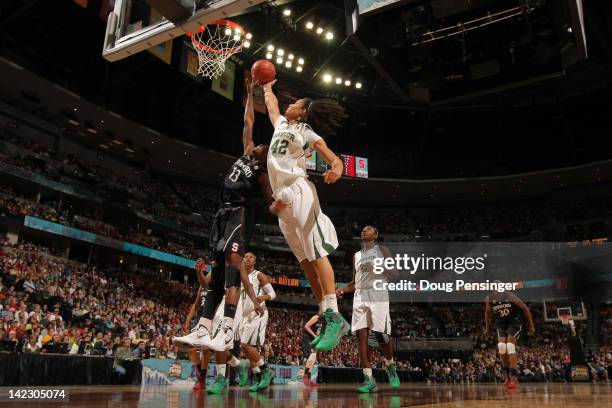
[327, 247]
[258, 343]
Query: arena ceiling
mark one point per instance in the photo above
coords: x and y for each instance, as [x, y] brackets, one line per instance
[497, 100]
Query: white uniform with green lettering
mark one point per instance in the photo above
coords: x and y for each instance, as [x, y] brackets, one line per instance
[253, 326]
[309, 232]
[370, 306]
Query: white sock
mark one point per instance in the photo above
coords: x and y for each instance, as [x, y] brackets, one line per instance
[205, 322]
[256, 370]
[387, 362]
[330, 302]
[234, 362]
[367, 372]
[221, 369]
[260, 362]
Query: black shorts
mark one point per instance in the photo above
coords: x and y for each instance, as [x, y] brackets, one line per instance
[506, 330]
[231, 230]
[306, 347]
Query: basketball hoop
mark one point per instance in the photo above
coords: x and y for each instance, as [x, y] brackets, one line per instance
[215, 42]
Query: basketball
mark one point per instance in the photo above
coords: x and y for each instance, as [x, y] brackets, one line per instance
[263, 71]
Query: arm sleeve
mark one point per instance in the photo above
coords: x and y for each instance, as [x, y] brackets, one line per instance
[269, 290]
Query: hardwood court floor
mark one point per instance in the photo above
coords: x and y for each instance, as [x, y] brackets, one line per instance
[337, 396]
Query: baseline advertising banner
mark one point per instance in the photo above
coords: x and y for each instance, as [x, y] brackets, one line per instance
[70, 232]
[181, 373]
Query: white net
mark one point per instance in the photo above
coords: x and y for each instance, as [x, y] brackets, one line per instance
[215, 43]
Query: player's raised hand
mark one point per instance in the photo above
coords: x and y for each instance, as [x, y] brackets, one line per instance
[277, 206]
[252, 84]
[258, 309]
[268, 87]
[200, 265]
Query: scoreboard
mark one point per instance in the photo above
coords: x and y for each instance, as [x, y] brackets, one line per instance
[349, 165]
[353, 166]
[362, 167]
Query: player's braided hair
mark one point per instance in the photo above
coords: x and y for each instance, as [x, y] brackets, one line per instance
[323, 115]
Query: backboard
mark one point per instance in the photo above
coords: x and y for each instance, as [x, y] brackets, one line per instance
[356, 10]
[554, 308]
[136, 25]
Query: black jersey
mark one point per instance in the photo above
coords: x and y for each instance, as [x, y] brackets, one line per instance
[240, 182]
[505, 311]
[202, 301]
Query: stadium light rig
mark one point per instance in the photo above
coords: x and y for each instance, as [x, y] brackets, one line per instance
[328, 78]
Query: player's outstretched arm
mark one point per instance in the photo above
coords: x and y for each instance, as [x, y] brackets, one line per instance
[191, 313]
[335, 173]
[203, 279]
[249, 118]
[526, 312]
[266, 285]
[308, 327]
[271, 102]
[350, 287]
[391, 273]
[246, 284]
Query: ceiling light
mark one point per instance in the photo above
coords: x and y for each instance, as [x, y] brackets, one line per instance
[288, 64]
[269, 55]
[299, 69]
[319, 30]
[347, 83]
[247, 44]
[279, 60]
[280, 52]
[270, 47]
[309, 25]
[249, 36]
[327, 78]
[358, 85]
[287, 12]
[338, 80]
[329, 36]
[301, 61]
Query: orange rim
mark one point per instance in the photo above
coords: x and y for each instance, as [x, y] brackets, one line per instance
[196, 43]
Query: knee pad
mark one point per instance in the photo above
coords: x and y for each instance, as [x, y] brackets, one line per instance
[382, 338]
[502, 347]
[511, 348]
[232, 276]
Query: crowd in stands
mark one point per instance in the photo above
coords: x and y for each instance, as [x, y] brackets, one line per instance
[47, 301]
[162, 198]
[159, 202]
[51, 304]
